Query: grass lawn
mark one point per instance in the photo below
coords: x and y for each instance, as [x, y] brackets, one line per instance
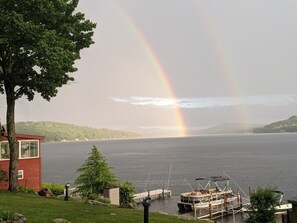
[40, 209]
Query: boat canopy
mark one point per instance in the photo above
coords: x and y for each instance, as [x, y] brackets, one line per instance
[214, 178]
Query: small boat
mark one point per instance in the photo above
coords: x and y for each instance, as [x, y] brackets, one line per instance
[213, 192]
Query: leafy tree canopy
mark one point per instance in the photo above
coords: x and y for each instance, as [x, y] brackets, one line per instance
[94, 175]
[39, 42]
[262, 208]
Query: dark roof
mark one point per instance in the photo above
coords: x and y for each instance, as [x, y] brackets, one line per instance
[23, 136]
[214, 178]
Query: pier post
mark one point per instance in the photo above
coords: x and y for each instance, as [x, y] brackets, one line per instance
[210, 211]
[225, 203]
[195, 212]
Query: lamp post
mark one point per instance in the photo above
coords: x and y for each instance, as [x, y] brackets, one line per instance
[66, 191]
[146, 204]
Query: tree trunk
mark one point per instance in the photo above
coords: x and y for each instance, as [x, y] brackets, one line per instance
[13, 144]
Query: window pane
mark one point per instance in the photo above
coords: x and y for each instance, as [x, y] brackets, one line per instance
[24, 149]
[33, 149]
[4, 151]
[29, 149]
[20, 174]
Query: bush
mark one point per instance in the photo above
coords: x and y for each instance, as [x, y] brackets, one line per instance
[56, 189]
[127, 191]
[6, 215]
[3, 175]
[103, 200]
[262, 207]
[27, 190]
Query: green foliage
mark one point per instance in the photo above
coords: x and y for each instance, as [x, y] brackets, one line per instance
[54, 131]
[3, 175]
[127, 191]
[27, 190]
[94, 175]
[103, 199]
[56, 189]
[6, 215]
[98, 197]
[288, 125]
[40, 40]
[39, 44]
[262, 208]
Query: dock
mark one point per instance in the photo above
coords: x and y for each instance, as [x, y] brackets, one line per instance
[154, 195]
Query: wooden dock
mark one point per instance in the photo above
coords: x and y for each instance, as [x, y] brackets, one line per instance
[154, 194]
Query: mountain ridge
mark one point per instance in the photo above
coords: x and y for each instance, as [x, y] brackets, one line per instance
[287, 125]
[57, 131]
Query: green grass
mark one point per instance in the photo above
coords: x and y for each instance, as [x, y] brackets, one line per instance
[40, 209]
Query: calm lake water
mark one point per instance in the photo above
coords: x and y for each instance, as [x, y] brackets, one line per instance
[252, 160]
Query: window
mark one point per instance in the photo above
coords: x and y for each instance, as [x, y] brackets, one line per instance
[20, 174]
[29, 149]
[4, 151]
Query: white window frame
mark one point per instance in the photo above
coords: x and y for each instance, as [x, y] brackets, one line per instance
[20, 149]
[20, 174]
[1, 150]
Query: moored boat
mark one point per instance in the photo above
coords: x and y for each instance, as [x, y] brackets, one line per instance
[212, 192]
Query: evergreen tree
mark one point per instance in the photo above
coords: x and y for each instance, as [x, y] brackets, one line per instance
[95, 174]
[262, 208]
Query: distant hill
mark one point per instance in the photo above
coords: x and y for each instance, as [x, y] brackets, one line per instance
[55, 131]
[229, 128]
[288, 125]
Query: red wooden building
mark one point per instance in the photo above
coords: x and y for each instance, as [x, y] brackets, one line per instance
[29, 170]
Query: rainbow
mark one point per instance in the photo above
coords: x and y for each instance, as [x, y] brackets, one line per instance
[159, 70]
[230, 76]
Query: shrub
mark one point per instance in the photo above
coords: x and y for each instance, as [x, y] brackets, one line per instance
[127, 191]
[56, 189]
[262, 207]
[26, 190]
[6, 215]
[3, 175]
[103, 200]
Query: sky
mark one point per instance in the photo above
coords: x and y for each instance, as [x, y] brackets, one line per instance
[179, 65]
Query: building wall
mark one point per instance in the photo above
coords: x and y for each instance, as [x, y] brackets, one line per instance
[32, 173]
[113, 194]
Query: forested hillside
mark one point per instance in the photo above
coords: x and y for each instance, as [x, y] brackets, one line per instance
[54, 131]
[288, 125]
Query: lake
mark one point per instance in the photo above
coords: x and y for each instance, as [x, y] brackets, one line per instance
[251, 160]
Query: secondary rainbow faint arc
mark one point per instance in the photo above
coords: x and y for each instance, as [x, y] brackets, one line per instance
[157, 65]
[223, 59]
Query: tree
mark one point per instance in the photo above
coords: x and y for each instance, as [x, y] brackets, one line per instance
[127, 191]
[39, 43]
[94, 175]
[262, 208]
